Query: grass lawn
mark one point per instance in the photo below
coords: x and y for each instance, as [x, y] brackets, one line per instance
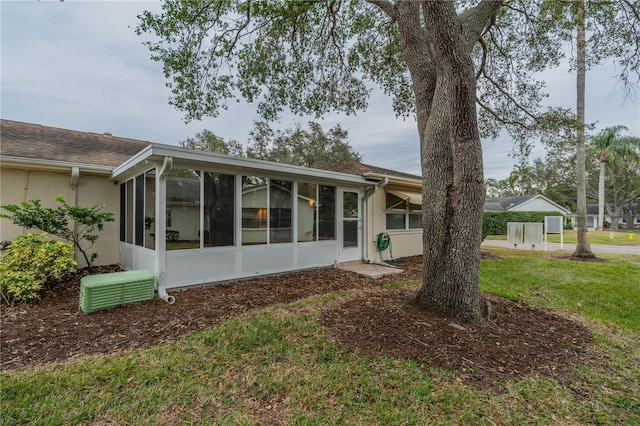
[277, 365]
[620, 238]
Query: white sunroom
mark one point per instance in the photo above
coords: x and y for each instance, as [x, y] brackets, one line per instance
[194, 217]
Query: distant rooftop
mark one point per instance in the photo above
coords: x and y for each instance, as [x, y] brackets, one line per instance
[505, 203]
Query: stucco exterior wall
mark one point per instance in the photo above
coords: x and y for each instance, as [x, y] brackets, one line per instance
[17, 185]
[403, 242]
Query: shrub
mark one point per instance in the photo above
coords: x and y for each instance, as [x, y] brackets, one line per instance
[71, 223]
[30, 262]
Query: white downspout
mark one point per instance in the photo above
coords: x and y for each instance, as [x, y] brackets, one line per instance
[365, 199]
[75, 175]
[73, 198]
[160, 229]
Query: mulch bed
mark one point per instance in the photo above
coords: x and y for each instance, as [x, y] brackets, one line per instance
[518, 340]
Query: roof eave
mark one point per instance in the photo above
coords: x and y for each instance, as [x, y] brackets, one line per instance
[154, 155]
[43, 164]
[394, 180]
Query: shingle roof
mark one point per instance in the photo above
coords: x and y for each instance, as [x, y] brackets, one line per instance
[357, 168]
[505, 203]
[26, 140]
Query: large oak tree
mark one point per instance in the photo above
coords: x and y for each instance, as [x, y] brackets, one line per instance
[437, 60]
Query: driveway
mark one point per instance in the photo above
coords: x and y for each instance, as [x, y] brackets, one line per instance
[605, 249]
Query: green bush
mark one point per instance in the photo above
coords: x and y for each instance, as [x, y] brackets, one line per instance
[495, 223]
[30, 262]
[74, 224]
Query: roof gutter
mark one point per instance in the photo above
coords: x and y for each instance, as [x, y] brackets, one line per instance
[414, 183]
[55, 165]
[182, 157]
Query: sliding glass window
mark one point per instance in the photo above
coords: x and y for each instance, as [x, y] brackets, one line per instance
[183, 209]
[254, 210]
[280, 204]
[150, 209]
[219, 209]
[327, 212]
[307, 211]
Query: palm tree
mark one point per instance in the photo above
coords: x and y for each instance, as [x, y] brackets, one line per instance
[583, 248]
[610, 148]
[521, 178]
[492, 187]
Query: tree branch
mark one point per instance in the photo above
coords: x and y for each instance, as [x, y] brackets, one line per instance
[483, 61]
[240, 28]
[387, 7]
[633, 9]
[511, 98]
[500, 118]
[477, 19]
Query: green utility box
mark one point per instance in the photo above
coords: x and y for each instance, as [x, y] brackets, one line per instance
[104, 291]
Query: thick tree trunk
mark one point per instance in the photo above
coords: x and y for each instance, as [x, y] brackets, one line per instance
[452, 172]
[583, 248]
[436, 45]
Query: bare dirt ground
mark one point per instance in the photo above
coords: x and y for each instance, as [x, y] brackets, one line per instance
[518, 340]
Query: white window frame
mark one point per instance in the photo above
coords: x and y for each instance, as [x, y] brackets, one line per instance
[406, 211]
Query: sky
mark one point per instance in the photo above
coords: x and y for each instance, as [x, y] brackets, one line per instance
[80, 66]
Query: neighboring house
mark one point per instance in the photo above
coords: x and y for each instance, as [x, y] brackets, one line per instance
[40, 162]
[530, 203]
[195, 217]
[592, 217]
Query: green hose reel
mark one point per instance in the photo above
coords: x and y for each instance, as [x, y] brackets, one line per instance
[383, 242]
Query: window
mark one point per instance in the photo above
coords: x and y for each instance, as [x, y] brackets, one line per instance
[255, 215]
[129, 212]
[280, 202]
[327, 212]
[307, 211]
[266, 211]
[183, 200]
[139, 211]
[123, 211]
[219, 209]
[401, 214]
[150, 209]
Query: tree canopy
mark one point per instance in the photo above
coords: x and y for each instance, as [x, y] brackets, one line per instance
[312, 147]
[309, 148]
[206, 140]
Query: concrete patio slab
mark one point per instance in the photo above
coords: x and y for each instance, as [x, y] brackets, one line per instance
[370, 270]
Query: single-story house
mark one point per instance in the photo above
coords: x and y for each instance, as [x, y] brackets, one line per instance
[194, 217]
[592, 216]
[40, 162]
[530, 203]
